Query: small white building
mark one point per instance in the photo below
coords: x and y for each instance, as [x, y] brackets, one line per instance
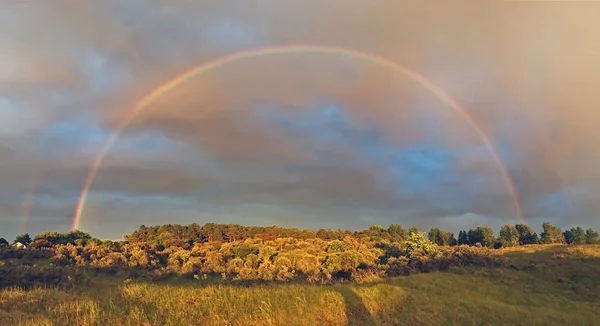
[19, 245]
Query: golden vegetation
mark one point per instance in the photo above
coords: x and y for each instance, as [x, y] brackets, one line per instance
[224, 275]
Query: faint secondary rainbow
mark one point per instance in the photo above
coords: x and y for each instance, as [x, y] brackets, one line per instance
[282, 50]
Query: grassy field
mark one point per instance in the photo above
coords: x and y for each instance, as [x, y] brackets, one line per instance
[544, 285]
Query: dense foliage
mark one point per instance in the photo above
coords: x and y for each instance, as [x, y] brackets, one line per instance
[252, 253]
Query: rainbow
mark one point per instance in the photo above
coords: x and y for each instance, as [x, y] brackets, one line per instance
[219, 62]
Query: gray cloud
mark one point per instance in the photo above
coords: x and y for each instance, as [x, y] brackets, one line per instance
[244, 135]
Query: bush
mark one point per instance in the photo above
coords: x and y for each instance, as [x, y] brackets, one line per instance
[26, 277]
[39, 244]
[243, 250]
[346, 257]
[398, 267]
[416, 244]
[24, 254]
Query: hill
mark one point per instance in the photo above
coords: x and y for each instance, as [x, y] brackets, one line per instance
[537, 285]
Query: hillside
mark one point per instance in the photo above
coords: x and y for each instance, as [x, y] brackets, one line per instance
[539, 285]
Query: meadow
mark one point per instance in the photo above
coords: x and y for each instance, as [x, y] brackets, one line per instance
[538, 285]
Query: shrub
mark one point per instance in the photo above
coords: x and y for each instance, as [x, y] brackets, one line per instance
[416, 244]
[243, 250]
[26, 277]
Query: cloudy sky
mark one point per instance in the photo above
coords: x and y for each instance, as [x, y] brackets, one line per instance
[306, 140]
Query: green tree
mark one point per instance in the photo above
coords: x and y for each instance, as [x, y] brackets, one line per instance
[435, 235]
[552, 234]
[509, 236]
[416, 242]
[453, 241]
[75, 235]
[570, 236]
[483, 235]
[243, 250]
[214, 232]
[526, 234]
[23, 238]
[441, 237]
[64, 238]
[397, 232]
[3, 242]
[234, 232]
[578, 235]
[52, 237]
[591, 236]
[325, 234]
[376, 230]
[463, 238]
[412, 230]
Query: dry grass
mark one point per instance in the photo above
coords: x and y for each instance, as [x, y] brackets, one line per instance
[545, 285]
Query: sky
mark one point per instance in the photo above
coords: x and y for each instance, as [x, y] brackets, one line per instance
[304, 140]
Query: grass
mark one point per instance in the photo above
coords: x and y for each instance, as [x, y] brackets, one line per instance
[544, 285]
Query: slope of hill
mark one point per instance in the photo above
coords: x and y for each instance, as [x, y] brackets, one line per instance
[540, 285]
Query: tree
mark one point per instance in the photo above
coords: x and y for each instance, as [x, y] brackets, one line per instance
[509, 236]
[214, 232]
[463, 238]
[397, 232]
[64, 238]
[441, 237]
[526, 234]
[591, 236]
[3, 242]
[325, 234]
[552, 234]
[52, 237]
[42, 243]
[483, 235]
[575, 235]
[579, 235]
[23, 238]
[234, 232]
[435, 236]
[416, 242]
[453, 241]
[74, 235]
[568, 236]
[412, 230]
[375, 230]
[196, 234]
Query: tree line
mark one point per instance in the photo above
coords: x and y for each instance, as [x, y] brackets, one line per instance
[184, 236]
